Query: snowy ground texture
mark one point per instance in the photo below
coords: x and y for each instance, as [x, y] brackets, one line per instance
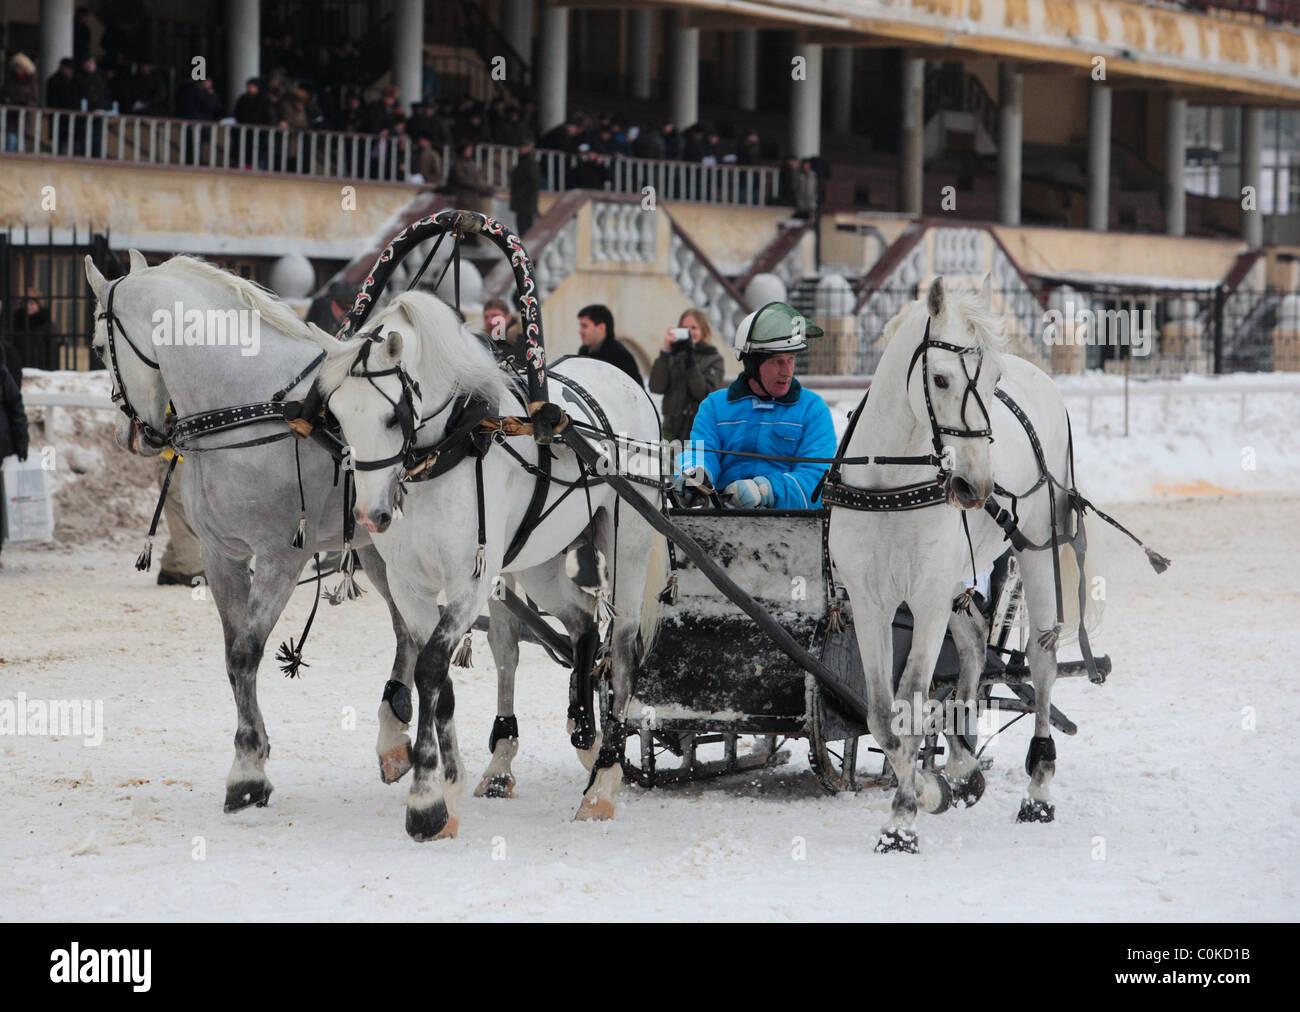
[1175, 801]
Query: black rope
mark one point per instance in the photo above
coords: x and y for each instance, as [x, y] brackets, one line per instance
[145, 558]
[290, 654]
[427, 260]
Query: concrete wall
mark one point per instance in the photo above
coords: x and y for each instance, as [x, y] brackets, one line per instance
[1045, 250]
[198, 211]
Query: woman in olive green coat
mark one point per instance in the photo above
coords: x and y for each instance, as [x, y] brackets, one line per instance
[688, 369]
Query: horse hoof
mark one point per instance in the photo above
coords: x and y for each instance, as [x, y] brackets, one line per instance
[395, 763]
[1036, 811]
[935, 794]
[967, 792]
[433, 822]
[902, 841]
[599, 810]
[500, 785]
[248, 792]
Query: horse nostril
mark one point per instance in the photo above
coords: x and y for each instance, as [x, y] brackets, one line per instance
[383, 519]
[963, 490]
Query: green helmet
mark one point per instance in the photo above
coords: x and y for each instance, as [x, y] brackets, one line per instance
[773, 329]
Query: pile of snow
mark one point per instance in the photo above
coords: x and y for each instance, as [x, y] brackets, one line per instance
[1198, 435]
[100, 491]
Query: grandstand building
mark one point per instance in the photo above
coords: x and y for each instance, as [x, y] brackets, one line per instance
[1106, 154]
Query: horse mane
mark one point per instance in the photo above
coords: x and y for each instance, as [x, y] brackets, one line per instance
[254, 296]
[988, 326]
[445, 348]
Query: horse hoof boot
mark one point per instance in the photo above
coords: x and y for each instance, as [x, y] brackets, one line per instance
[902, 841]
[934, 794]
[1036, 811]
[248, 792]
[599, 810]
[395, 763]
[967, 792]
[499, 785]
[432, 822]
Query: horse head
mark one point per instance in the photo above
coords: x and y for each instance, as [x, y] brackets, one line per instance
[954, 369]
[121, 325]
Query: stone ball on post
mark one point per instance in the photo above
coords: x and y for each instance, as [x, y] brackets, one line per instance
[764, 288]
[292, 277]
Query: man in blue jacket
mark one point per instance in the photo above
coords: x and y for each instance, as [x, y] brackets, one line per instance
[764, 411]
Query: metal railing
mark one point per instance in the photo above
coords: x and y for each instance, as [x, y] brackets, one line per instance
[1125, 331]
[689, 181]
[157, 140]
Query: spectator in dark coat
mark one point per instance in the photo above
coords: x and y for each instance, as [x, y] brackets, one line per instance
[465, 182]
[13, 430]
[328, 309]
[92, 89]
[525, 182]
[591, 173]
[61, 89]
[149, 92]
[686, 371]
[596, 332]
[672, 142]
[649, 144]
[252, 108]
[20, 88]
[30, 336]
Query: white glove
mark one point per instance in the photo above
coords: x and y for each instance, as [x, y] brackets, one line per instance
[750, 493]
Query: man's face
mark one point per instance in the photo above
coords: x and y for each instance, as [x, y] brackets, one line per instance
[777, 373]
[590, 333]
[495, 322]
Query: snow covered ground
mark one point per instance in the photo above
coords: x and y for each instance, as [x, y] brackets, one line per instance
[1174, 801]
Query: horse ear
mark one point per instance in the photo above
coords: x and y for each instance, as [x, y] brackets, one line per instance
[393, 345]
[934, 300]
[96, 280]
[138, 262]
[986, 291]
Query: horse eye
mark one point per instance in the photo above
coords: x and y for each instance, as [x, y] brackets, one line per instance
[941, 382]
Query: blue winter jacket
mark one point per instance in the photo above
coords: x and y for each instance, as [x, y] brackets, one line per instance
[796, 425]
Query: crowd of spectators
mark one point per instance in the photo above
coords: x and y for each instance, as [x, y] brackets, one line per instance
[321, 86]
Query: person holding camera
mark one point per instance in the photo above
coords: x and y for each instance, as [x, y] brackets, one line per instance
[688, 369]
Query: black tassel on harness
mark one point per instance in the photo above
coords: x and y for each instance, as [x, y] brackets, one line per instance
[290, 658]
[464, 656]
[1158, 562]
[145, 559]
[300, 537]
[347, 590]
[669, 594]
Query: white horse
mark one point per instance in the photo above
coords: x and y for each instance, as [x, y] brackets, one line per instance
[243, 503]
[421, 360]
[921, 556]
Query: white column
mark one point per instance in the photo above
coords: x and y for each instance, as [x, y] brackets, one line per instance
[1010, 129]
[517, 26]
[842, 114]
[1252, 174]
[911, 145]
[56, 39]
[243, 46]
[408, 50]
[1175, 165]
[1099, 109]
[686, 76]
[640, 33]
[552, 71]
[747, 69]
[806, 103]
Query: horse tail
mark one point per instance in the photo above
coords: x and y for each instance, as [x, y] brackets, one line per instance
[656, 580]
[1091, 583]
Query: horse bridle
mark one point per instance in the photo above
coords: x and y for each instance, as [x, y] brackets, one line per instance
[972, 390]
[403, 408]
[112, 326]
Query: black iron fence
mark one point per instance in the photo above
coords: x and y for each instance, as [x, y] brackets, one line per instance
[1114, 329]
[46, 307]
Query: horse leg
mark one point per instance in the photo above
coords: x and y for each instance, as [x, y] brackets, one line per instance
[905, 730]
[263, 597]
[1040, 762]
[503, 638]
[962, 770]
[557, 594]
[393, 745]
[428, 815]
[630, 548]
